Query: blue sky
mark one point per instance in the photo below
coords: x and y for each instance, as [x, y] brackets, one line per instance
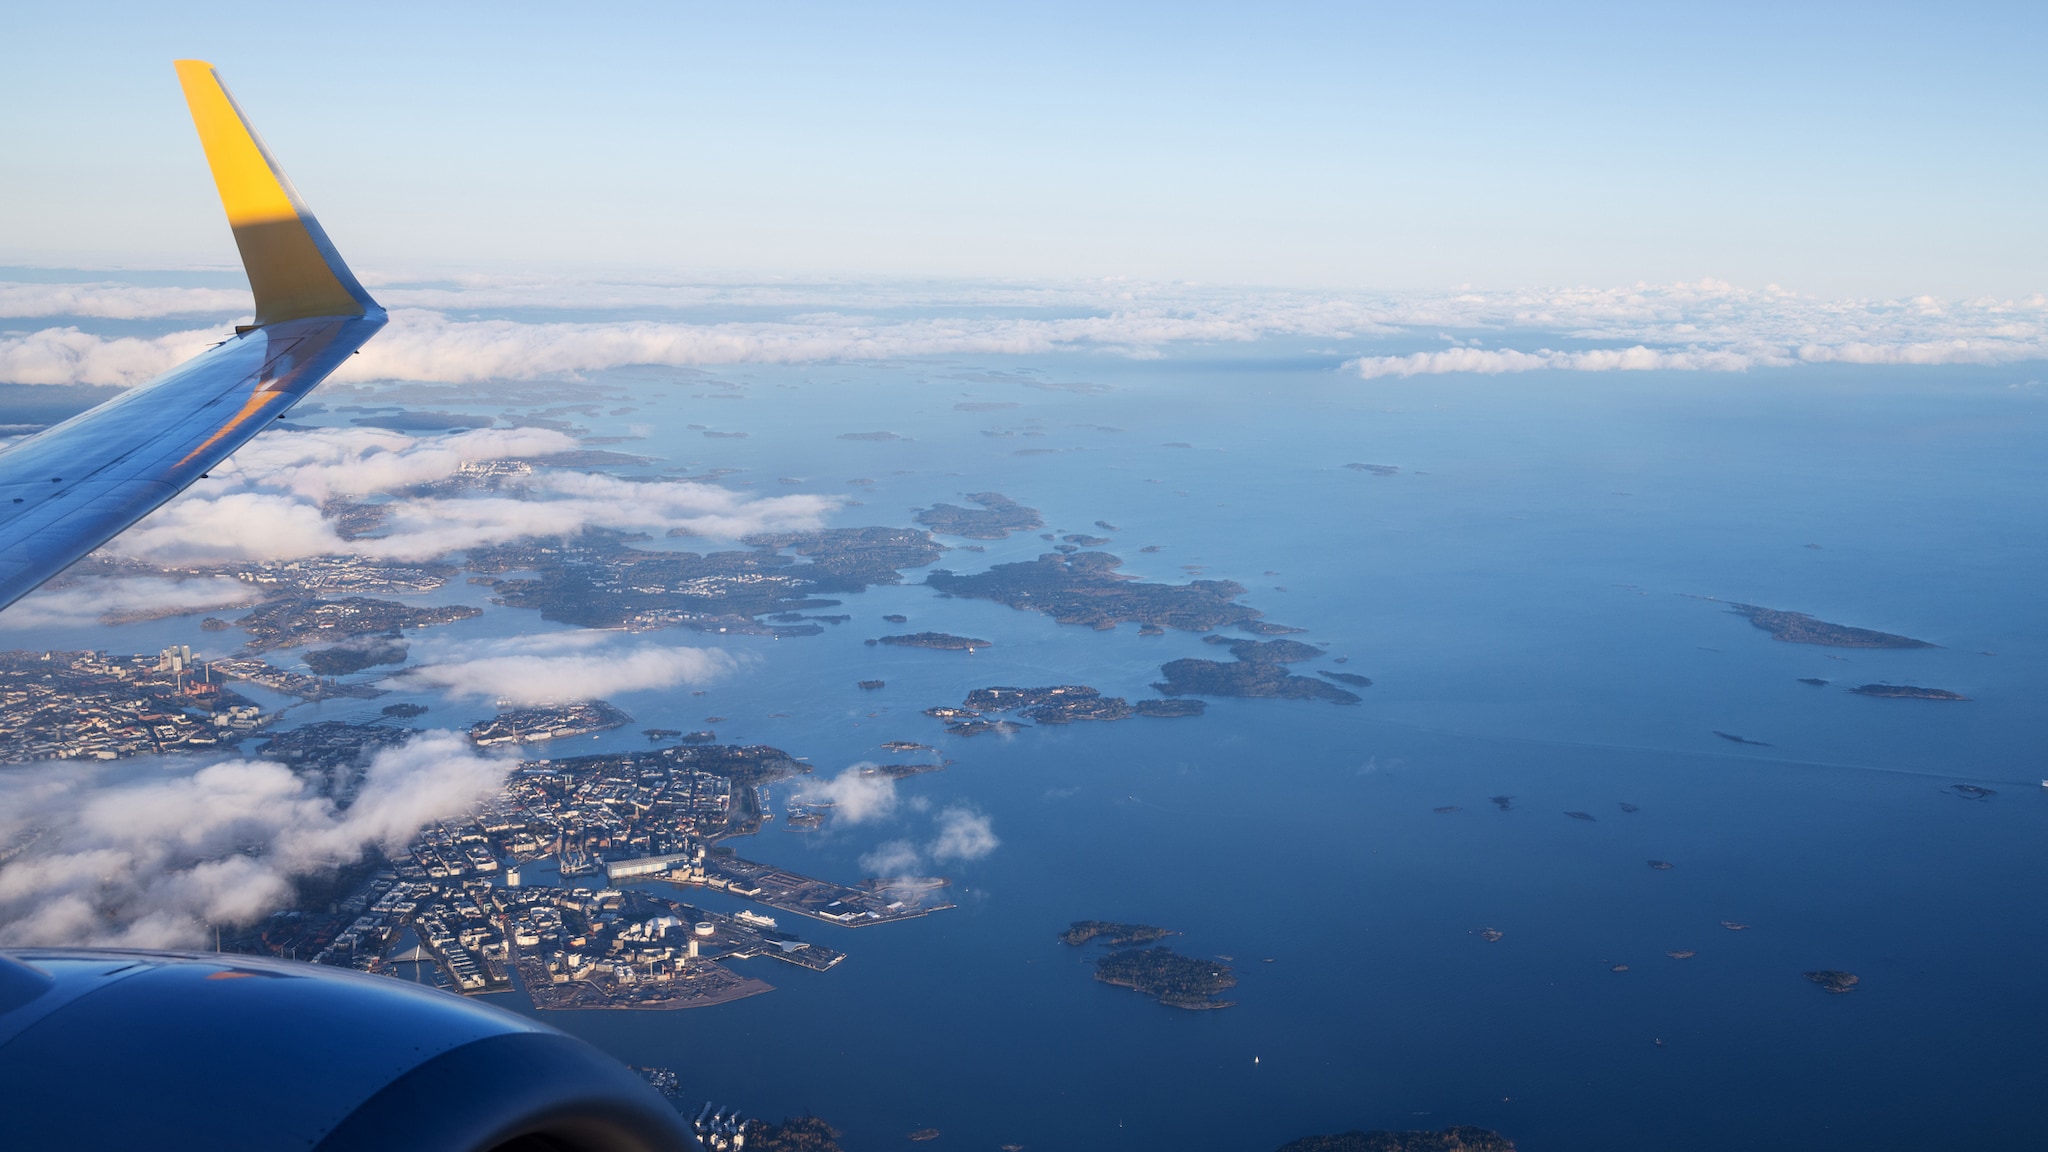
[1834, 149]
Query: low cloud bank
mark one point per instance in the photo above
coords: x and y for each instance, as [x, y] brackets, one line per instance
[131, 857]
[565, 667]
[1704, 326]
[110, 300]
[267, 503]
[113, 600]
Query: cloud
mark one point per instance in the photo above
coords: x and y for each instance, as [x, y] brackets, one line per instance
[267, 504]
[963, 835]
[1705, 326]
[893, 858]
[563, 667]
[114, 301]
[130, 857]
[113, 600]
[1486, 362]
[69, 356]
[857, 795]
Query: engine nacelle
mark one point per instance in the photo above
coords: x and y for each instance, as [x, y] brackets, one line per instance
[170, 1051]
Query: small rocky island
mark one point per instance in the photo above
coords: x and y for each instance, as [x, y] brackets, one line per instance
[997, 517]
[1799, 628]
[1835, 980]
[1906, 692]
[942, 641]
[1463, 1138]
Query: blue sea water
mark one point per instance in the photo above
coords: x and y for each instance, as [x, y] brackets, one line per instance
[1530, 595]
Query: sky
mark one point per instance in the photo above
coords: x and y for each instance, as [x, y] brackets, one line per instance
[1833, 149]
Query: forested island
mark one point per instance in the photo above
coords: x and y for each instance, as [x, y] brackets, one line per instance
[1799, 628]
[1177, 981]
[997, 517]
[1112, 933]
[1906, 692]
[344, 659]
[1258, 671]
[1084, 588]
[942, 641]
[1055, 704]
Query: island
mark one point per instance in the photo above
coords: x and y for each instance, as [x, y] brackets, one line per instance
[1257, 672]
[1815, 681]
[404, 711]
[1906, 692]
[942, 641]
[1054, 704]
[997, 517]
[1732, 738]
[1171, 709]
[1112, 933]
[292, 622]
[1351, 678]
[1375, 469]
[1799, 628]
[1834, 980]
[547, 722]
[872, 685]
[1175, 980]
[796, 1134]
[1085, 588]
[599, 580]
[1462, 1138]
[345, 659]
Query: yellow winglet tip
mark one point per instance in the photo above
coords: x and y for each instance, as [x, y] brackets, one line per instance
[293, 271]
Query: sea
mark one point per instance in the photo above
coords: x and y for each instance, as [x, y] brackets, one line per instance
[1538, 582]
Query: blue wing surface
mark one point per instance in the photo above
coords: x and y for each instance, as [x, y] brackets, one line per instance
[69, 489]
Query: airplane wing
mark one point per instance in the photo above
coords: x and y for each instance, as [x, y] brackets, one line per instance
[69, 489]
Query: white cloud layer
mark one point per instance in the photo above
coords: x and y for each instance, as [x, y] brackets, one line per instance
[112, 600]
[266, 504]
[1710, 326]
[564, 667]
[110, 300]
[132, 857]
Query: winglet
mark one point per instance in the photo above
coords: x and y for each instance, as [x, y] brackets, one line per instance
[293, 268]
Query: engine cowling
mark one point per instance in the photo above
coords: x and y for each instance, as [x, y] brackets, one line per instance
[167, 1051]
